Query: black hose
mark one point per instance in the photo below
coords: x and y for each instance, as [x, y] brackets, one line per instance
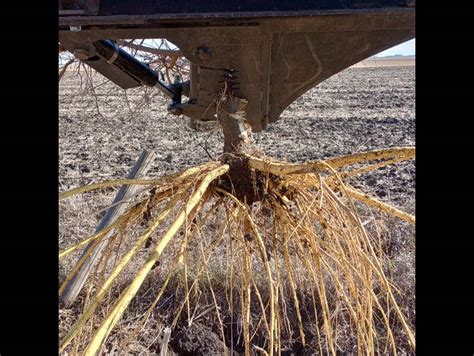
[130, 65]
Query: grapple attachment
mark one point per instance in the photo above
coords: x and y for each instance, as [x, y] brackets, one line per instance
[276, 50]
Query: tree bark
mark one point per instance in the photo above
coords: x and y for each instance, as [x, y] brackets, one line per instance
[237, 133]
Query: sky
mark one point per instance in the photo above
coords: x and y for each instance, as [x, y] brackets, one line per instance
[405, 49]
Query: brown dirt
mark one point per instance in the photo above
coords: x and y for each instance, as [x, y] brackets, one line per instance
[198, 340]
[357, 110]
[390, 61]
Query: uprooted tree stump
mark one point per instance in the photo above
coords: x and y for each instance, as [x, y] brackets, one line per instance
[296, 262]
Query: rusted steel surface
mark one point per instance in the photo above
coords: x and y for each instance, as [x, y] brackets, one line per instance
[278, 49]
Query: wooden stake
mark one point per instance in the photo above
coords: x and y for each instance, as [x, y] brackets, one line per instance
[73, 288]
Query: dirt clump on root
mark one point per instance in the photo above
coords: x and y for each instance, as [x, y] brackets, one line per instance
[246, 184]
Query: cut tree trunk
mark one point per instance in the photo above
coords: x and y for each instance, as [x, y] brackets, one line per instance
[240, 180]
[237, 133]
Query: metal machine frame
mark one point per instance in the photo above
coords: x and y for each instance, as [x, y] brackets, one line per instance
[273, 50]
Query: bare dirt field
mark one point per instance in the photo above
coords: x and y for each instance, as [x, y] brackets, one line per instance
[356, 110]
[388, 61]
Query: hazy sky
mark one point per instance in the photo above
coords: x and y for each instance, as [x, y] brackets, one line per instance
[405, 49]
